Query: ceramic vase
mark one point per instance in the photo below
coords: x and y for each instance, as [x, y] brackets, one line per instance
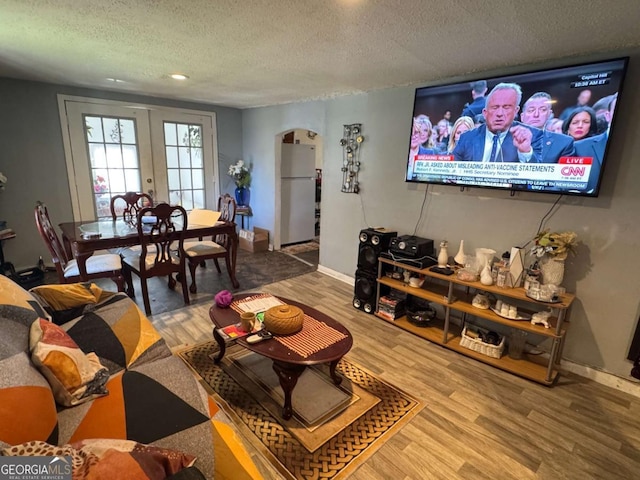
[460, 256]
[485, 276]
[443, 256]
[241, 196]
[552, 270]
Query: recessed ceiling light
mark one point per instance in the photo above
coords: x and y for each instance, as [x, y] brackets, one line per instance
[115, 80]
[179, 76]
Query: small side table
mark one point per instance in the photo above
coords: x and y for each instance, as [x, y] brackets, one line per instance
[244, 211]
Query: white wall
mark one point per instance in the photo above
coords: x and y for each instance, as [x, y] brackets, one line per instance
[604, 274]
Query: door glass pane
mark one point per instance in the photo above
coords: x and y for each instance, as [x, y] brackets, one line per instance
[130, 156]
[116, 180]
[97, 156]
[114, 156]
[170, 135]
[114, 159]
[172, 157]
[132, 180]
[185, 157]
[93, 127]
[198, 178]
[198, 199]
[185, 172]
[187, 200]
[173, 178]
[111, 129]
[185, 179]
[127, 131]
[183, 133]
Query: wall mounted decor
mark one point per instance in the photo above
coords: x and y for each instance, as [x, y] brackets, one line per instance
[351, 142]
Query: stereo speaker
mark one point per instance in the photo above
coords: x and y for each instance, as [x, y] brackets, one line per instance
[373, 241]
[364, 294]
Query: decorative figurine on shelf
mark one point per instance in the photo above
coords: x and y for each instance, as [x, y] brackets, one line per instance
[443, 256]
[460, 257]
[485, 275]
[541, 318]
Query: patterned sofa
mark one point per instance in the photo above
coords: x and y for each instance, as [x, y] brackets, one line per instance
[153, 398]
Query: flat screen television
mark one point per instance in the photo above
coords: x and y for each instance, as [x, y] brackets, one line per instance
[539, 131]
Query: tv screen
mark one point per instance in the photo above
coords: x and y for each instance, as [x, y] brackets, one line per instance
[541, 131]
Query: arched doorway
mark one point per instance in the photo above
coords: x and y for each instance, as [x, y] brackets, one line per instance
[298, 186]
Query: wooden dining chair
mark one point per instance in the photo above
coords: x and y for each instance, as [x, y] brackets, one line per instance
[98, 265]
[161, 238]
[219, 246]
[128, 205]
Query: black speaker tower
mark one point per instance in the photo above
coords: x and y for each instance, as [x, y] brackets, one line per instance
[372, 242]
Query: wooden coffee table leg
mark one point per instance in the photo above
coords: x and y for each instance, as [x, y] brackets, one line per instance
[332, 372]
[221, 345]
[288, 375]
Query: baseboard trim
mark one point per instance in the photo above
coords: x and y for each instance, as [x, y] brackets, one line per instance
[598, 376]
[337, 275]
[603, 378]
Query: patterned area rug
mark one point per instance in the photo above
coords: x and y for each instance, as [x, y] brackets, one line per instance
[351, 439]
[301, 248]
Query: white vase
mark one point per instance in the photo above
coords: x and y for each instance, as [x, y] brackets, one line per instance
[485, 275]
[443, 256]
[552, 270]
[460, 256]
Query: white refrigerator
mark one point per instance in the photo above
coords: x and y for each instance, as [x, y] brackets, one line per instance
[298, 187]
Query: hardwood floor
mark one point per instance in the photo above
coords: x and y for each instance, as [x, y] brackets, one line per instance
[478, 422]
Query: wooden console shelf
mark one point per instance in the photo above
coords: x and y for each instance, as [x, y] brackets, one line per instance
[455, 295]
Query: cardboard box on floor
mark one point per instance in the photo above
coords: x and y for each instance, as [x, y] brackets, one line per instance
[256, 241]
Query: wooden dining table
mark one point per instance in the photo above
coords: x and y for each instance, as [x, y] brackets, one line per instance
[82, 239]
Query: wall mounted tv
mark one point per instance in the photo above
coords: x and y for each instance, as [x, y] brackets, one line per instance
[541, 131]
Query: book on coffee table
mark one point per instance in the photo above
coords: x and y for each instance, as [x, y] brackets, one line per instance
[235, 331]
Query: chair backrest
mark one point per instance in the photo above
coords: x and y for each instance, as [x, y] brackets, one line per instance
[128, 205]
[50, 237]
[161, 226]
[227, 208]
[200, 216]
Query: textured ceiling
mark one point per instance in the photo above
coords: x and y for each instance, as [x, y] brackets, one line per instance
[262, 52]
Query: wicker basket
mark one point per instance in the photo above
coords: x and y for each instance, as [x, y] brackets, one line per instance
[283, 319]
[477, 345]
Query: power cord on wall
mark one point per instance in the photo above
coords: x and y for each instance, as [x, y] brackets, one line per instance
[548, 213]
[543, 219]
[364, 215]
[424, 200]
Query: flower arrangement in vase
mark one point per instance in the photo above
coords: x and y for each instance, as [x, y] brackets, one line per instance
[242, 178]
[552, 248]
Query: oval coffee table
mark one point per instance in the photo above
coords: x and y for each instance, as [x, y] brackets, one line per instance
[287, 364]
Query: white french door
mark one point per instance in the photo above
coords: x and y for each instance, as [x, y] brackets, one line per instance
[113, 147]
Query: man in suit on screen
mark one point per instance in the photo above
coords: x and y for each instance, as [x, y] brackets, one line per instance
[501, 139]
[535, 113]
